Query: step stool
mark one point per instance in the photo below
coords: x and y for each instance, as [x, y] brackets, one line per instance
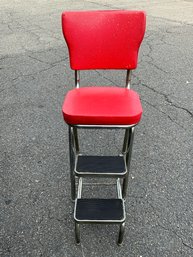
[101, 40]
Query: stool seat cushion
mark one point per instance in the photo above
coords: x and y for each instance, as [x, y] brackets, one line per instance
[102, 106]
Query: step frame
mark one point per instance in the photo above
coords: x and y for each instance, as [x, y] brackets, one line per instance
[119, 196]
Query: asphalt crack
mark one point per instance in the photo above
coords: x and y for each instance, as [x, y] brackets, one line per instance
[164, 113]
[177, 235]
[166, 97]
[104, 77]
[169, 229]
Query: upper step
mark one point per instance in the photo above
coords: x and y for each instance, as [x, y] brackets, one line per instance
[87, 165]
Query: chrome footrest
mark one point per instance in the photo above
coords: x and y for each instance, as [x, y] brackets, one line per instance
[99, 210]
[87, 165]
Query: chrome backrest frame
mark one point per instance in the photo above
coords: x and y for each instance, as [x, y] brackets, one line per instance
[77, 79]
[128, 79]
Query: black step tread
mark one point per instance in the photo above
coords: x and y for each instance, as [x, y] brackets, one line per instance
[101, 210]
[100, 164]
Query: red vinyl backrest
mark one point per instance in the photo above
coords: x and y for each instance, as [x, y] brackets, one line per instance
[103, 39]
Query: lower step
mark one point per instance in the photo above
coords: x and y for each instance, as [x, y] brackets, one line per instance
[87, 165]
[99, 210]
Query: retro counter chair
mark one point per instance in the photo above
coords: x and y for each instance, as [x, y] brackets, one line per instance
[101, 40]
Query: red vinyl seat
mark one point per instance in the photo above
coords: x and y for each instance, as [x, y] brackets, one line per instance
[102, 106]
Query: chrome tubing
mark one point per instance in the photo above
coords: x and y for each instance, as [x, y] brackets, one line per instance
[128, 161]
[72, 161]
[77, 78]
[128, 79]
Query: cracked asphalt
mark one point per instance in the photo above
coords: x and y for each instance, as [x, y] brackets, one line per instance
[35, 208]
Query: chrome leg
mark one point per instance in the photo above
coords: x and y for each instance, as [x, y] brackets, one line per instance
[72, 160]
[76, 143]
[125, 142]
[77, 232]
[128, 158]
[121, 233]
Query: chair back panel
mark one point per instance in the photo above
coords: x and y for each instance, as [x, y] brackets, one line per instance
[103, 39]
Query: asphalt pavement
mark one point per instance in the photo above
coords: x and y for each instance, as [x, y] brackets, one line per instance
[36, 213]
